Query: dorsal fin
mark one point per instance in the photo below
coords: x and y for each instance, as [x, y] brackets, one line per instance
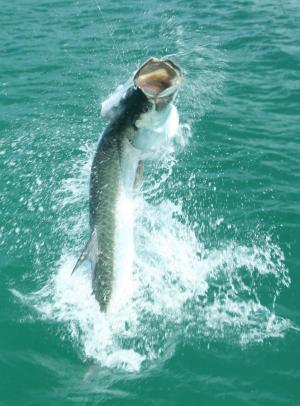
[89, 253]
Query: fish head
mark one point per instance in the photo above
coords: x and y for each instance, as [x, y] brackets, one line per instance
[159, 80]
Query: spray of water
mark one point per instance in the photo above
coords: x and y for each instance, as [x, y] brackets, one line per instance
[179, 289]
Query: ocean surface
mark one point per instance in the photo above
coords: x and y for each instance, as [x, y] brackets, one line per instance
[214, 317]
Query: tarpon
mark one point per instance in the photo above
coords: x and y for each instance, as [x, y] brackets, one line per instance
[143, 121]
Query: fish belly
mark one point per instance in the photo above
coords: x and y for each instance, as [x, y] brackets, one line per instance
[114, 222]
[124, 227]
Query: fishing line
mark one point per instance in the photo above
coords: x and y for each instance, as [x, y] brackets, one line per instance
[110, 30]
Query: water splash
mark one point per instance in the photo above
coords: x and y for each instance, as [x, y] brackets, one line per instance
[180, 289]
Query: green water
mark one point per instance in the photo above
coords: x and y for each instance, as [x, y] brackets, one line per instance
[215, 319]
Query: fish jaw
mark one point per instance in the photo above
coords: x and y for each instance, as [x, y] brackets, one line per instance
[159, 80]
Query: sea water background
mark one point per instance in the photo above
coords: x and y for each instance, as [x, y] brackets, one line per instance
[214, 313]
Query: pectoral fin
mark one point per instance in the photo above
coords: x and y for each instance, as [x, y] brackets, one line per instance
[89, 252]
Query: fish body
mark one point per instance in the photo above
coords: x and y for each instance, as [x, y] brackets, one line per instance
[140, 127]
[112, 181]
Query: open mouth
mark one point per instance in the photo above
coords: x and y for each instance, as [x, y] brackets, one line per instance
[158, 79]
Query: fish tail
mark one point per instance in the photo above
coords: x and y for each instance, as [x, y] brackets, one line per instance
[102, 283]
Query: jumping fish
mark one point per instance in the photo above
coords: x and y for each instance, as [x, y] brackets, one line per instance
[143, 121]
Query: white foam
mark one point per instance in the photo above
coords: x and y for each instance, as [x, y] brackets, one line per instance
[181, 289]
[109, 105]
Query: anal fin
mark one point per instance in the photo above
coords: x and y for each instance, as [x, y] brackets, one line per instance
[89, 252]
[139, 175]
